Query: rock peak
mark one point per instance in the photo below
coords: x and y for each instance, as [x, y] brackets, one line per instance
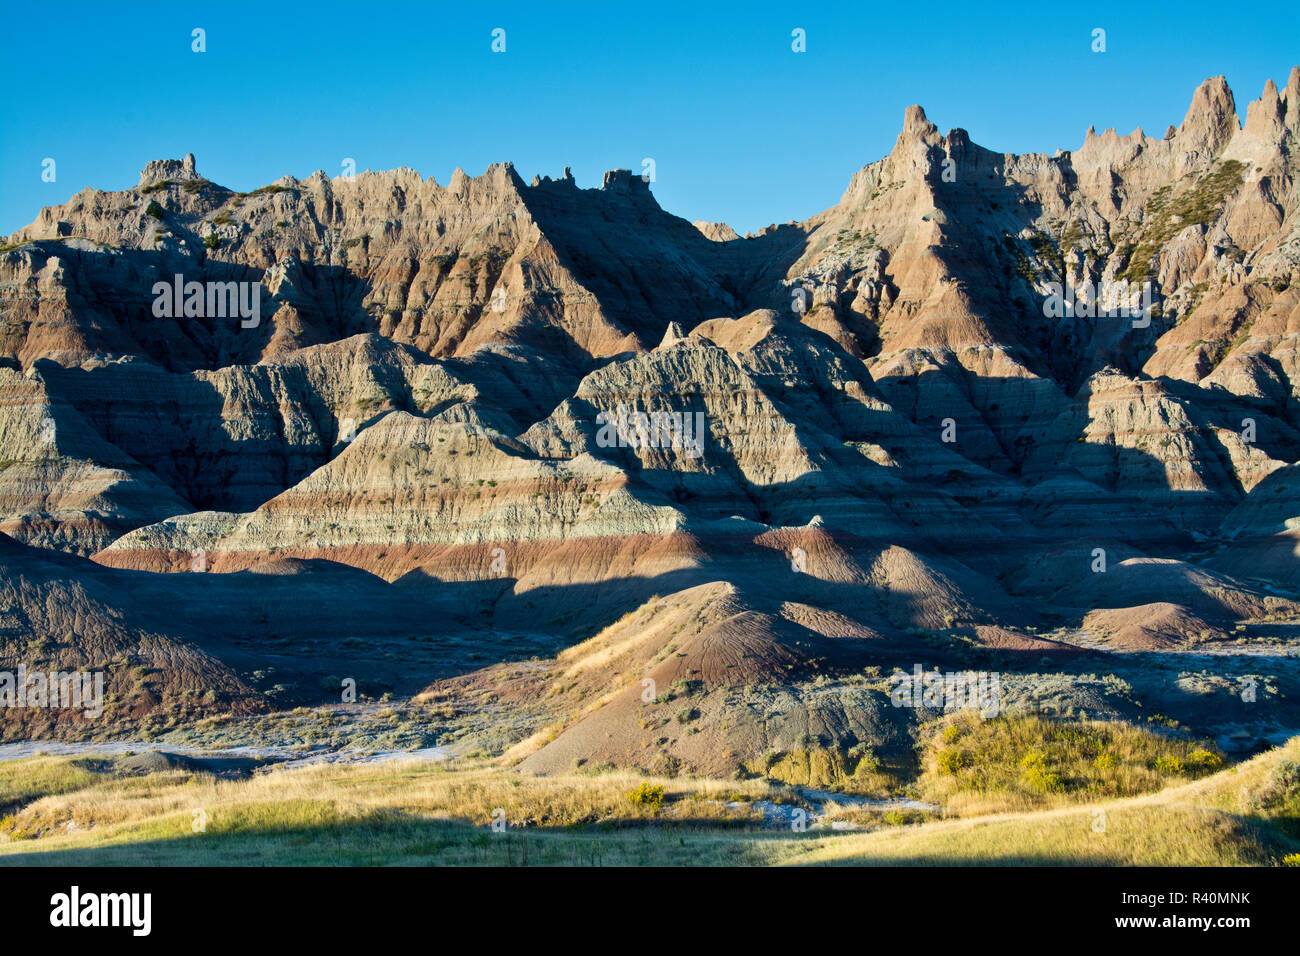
[917, 129]
[1212, 117]
[1266, 117]
[916, 124]
[504, 175]
[161, 170]
[622, 180]
[716, 231]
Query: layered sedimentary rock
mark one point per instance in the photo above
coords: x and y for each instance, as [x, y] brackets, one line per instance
[62, 485]
[538, 407]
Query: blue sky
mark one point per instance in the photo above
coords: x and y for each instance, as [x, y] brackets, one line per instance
[741, 128]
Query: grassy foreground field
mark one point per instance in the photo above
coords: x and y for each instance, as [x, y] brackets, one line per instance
[80, 812]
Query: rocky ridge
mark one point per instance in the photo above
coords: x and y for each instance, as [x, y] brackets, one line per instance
[875, 422]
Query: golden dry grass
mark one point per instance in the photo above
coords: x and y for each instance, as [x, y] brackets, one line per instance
[370, 812]
[411, 812]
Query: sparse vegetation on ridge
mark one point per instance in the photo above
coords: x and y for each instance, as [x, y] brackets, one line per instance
[1170, 210]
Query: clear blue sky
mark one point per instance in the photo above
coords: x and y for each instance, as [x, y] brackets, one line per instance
[741, 128]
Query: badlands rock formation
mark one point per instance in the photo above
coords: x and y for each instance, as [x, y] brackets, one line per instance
[496, 411]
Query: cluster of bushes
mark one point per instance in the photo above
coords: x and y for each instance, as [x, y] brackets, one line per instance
[1034, 760]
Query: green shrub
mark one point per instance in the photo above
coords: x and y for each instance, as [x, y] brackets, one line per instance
[1037, 777]
[1033, 759]
[1287, 774]
[1043, 781]
[867, 761]
[9, 828]
[211, 242]
[1204, 759]
[951, 761]
[1167, 763]
[153, 209]
[647, 795]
